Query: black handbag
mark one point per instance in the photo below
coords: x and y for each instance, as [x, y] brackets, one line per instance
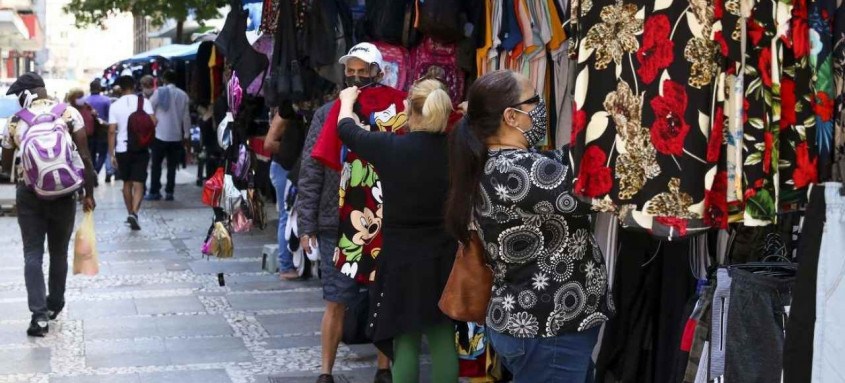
[355, 320]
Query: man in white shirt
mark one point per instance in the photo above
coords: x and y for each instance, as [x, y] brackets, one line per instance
[41, 218]
[131, 165]
[172, 134]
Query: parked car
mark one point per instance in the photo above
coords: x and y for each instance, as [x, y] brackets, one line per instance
[8, 107]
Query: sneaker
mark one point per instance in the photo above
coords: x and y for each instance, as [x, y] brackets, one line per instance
[384, 376]
[325, 378]
[168, 197]
[152, 197]
[53, 312]
[291, 275]
[133, 222]
[38, 328]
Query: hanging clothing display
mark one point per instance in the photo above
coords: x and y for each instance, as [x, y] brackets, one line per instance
[641, 135]
[233, 43]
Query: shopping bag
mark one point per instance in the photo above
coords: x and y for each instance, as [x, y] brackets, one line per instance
[85, 260]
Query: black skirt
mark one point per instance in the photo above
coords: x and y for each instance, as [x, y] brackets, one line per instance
[412, 271]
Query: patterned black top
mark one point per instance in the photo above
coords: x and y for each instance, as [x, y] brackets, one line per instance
[549, 273]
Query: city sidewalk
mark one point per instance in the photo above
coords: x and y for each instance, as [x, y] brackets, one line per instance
[156, 313]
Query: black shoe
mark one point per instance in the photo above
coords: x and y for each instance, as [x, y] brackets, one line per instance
[168, 197]
[53, 312]
[133, 222]
[325, 378]
[38, 328]
[384, 376]
[152, 197]
[108, 178]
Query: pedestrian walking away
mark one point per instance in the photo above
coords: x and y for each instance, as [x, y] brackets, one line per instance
[131, 122]
[98, 143]
[46, 210]
[172, 135]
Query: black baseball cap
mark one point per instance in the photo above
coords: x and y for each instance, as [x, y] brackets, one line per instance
[27, 81]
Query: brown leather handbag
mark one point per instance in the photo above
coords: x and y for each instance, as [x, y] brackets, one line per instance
[467, 292]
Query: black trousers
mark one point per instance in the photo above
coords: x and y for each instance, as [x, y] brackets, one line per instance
[161, 150]
[798, 347]
[653, 284]
[53, 219]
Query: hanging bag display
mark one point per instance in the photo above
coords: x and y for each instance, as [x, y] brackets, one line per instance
[397, 64]
[212, 189]
[468, 289]
[240, 169]
[438, 60]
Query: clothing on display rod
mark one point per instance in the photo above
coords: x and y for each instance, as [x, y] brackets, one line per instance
[829, 336]
[754, 331]
[798, 346]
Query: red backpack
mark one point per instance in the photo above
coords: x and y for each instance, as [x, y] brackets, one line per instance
[88, 118]
[441, 60]
[142, 128]
[397, 64]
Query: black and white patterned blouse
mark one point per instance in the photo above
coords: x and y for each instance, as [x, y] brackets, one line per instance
[549, 273]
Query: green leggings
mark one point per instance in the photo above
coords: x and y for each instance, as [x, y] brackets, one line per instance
[444, 356]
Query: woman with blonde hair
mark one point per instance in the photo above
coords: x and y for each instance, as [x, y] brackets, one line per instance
[417, 252]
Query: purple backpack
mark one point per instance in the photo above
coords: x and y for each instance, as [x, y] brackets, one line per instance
[51, 165]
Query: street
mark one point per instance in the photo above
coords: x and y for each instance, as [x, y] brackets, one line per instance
[157, 313]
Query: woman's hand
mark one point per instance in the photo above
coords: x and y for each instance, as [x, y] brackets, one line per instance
[349, 95]
[462, 107]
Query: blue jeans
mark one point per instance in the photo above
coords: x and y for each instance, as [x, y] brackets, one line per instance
[279, 177]
[99, 149]
[563, 359]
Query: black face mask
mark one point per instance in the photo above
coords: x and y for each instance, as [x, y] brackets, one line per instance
[360, 82]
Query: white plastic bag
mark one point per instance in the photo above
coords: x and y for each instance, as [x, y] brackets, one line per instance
[85, 259]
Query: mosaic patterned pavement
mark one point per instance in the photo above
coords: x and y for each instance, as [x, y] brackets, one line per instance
[156, 313]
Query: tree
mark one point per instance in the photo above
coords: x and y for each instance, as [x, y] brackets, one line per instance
[95, 12]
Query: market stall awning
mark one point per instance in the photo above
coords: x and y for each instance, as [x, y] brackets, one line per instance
[173, 51]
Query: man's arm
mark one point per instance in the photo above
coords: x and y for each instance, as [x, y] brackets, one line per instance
[272, 142]
[310, 186]
[80, 137]
[112, 139]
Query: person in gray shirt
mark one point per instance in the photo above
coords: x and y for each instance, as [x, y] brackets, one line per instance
[172, 134]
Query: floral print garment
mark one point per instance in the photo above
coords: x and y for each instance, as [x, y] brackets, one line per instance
[821, 15]
[839, 87]
[642, 132]
[549, 273]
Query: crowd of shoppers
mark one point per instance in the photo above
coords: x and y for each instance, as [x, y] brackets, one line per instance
[549, 294]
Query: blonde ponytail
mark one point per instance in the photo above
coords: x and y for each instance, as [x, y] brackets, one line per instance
[430, 107]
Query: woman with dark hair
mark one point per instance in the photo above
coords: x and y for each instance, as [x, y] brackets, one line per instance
[549, 283]
[417, 252]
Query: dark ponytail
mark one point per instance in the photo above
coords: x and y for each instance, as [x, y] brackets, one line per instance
[487, 99]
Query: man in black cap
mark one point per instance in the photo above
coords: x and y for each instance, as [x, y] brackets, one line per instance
[39, 216]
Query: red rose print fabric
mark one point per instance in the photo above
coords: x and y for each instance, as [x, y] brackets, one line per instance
[644, 82]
